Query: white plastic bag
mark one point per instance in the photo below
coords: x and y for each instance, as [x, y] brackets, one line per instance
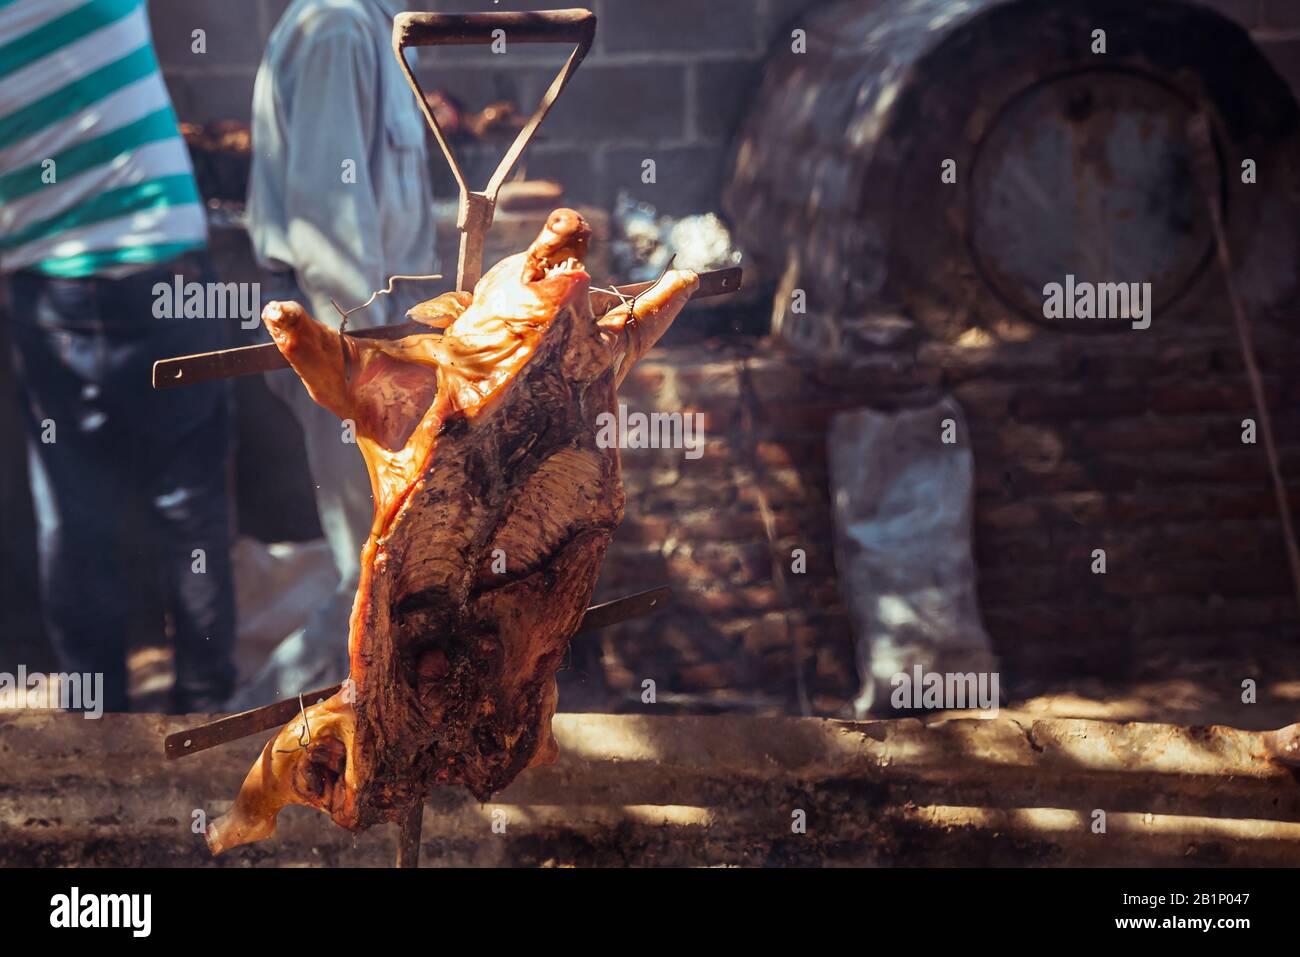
[902, 512]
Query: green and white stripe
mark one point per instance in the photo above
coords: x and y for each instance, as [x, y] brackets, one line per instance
[80, 85]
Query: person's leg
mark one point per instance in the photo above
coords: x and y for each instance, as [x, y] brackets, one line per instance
[181, 472]
[74, 478]
[82, 585]
[189, 496]
[316, 655]
[343, 497]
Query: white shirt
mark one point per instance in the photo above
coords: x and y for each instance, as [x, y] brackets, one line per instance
[339, 190]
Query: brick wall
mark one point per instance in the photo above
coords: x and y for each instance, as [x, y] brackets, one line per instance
[738, 634]
[666, 80]
[1080, 442]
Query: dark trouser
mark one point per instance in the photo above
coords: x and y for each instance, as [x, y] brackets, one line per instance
[122, 474]
[317, 654]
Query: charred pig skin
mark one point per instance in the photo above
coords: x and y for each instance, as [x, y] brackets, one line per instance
[494, 505]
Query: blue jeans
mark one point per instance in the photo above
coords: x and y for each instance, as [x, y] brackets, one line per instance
[122, 474]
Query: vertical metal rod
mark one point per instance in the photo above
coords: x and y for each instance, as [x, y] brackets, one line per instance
[408, 844]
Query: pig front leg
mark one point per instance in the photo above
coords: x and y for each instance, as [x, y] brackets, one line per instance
[316, 352]
[630, 330]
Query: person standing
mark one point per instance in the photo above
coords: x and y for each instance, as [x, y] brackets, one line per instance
[339, 200]
[98, 206]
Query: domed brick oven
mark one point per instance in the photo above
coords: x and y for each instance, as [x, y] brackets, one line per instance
[935, 184]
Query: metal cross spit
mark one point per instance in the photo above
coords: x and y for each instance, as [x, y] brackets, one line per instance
[474, 217]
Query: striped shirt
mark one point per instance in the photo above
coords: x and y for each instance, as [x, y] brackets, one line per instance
[94, 176]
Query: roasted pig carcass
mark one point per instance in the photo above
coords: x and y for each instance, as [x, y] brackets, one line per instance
[495, 499]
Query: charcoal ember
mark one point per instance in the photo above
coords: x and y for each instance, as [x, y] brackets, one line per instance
[447, 110]
[499, 119]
